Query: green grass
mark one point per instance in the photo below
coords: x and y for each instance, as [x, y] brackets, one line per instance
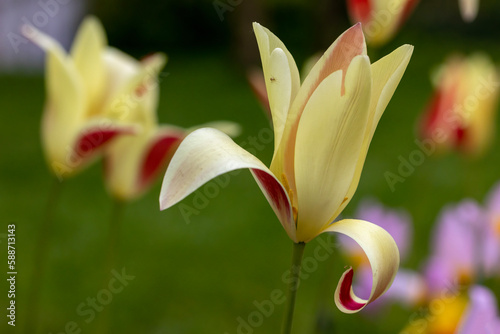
[199, 277]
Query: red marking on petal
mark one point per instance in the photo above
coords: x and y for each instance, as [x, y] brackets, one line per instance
[277, 197]
[360, 10]
[95, 139]
[273, 189]
[345, 292]
[157, 158]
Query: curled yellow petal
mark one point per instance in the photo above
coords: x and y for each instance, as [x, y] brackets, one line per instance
[382, 253]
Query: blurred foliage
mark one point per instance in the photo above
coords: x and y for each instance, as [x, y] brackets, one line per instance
[199, 277]
[195, 24]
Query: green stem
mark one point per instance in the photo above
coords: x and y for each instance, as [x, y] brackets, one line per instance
[298, 252]
[114, 232]
[111, 256]
[40, 258]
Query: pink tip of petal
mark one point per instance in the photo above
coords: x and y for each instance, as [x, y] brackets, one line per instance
[156, 158]
[349, 45]
[345, 295]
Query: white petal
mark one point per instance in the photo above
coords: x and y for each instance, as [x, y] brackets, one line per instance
[207, 153]
[231, 129]
[281, 77]
[132, 94]
[468, 9]
[132, 163]
[87, 51]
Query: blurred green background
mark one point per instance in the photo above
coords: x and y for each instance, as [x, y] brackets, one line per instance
[200, 276]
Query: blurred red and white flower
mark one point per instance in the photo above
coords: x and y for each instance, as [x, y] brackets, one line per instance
[461, 114]
[133, 163]
[464, 248]
[323, 128]
[82, 87]
[381, 19]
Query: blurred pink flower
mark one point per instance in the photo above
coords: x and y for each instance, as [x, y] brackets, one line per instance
[481, 315]
[463, 248]
[395, 221]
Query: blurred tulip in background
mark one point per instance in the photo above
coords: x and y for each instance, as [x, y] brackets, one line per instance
[381, 19]
[461, 114]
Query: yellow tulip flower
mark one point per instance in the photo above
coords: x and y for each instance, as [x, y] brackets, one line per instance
[322, 129]
[82, 87]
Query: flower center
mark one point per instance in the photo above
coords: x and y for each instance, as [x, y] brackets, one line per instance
[445, 320]
[464, 276]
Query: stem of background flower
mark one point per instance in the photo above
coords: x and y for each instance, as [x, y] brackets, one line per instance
[114, 232]
[298, 253]
[115, 222]
[40, 258]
